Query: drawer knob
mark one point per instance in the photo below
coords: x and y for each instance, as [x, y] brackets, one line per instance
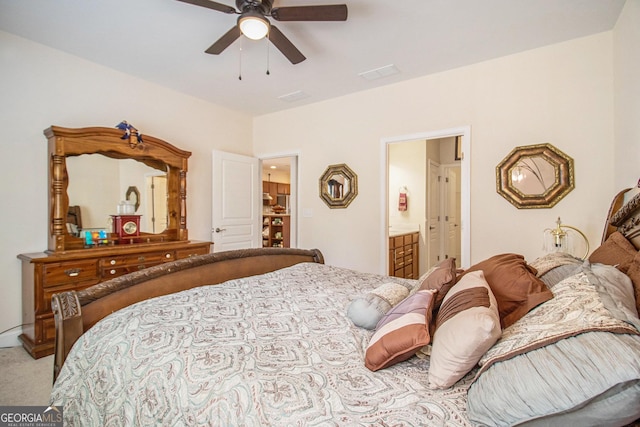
[72, 272]
[112, 262]
[112, 272]
[167, 255]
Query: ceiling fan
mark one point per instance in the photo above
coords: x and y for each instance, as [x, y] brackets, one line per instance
[254, 24]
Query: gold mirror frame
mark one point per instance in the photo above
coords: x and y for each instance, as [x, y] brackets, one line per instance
[338, 186]
[529, 162]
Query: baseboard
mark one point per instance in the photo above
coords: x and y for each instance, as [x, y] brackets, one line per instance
[10, 339]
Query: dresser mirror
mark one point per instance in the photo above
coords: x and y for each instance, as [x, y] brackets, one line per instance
[98, 183]
[93, 170]
[535, 176]
[338, 186]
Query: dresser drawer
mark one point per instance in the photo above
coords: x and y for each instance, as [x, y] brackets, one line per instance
[186, 253]
[111, 272]
[44, 305]
[146, 259]
[60, 273]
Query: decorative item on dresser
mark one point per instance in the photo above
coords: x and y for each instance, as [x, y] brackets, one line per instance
[78, 257]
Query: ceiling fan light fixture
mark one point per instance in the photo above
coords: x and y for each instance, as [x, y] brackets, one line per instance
[253, 25]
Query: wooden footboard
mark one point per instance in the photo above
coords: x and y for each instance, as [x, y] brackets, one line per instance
[76, 312]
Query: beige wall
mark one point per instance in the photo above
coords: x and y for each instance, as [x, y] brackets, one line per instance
[561, 94]
[627, 95]
[407, 169]
[41, 87]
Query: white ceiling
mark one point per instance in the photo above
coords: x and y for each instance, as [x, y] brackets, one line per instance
[163, 41]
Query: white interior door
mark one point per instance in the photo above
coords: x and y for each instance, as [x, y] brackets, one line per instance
[452, 212]
[155, 219]
[237, 202]
[433, 213]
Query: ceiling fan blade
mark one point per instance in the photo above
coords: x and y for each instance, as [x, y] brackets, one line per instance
[225, 41]
[329, 12]
[285, 46]
[211, 5]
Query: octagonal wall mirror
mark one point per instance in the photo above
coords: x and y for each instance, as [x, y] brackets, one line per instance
[338, 186]
[535, 176]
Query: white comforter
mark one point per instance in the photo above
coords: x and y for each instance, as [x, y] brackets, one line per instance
[271, 350]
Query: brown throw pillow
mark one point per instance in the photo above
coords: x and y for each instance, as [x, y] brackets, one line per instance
[616, 251]
[440, 278]
[514, 284]
[401, 332]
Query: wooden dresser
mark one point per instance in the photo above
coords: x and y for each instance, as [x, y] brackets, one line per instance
[403, 255]
[46, 274]
[83, 251]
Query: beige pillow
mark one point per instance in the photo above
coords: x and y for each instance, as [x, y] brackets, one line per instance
[467, 325]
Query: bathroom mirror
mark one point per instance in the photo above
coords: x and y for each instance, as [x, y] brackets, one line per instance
[535, 176]
[338, 186]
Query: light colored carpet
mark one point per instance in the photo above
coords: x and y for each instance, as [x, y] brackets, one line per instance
[24, 380]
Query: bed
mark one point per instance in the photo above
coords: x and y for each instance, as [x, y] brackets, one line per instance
[276, 337]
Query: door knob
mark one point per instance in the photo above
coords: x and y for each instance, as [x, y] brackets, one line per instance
[218, 230]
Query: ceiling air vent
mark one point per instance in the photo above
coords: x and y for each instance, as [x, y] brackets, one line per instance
[294, 96]
[378, 73]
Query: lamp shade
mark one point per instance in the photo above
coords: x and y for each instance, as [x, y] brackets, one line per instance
[253, 25]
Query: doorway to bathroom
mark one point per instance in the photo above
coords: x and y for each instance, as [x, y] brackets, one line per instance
[426, 189]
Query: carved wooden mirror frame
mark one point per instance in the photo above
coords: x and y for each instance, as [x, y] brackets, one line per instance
[154, 152]
[541, 166]
[338, 186]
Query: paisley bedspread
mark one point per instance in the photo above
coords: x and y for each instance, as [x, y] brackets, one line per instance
[270, 350]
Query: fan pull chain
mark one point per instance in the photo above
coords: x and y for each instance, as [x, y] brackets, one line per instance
[240, 62]
[268, 43]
